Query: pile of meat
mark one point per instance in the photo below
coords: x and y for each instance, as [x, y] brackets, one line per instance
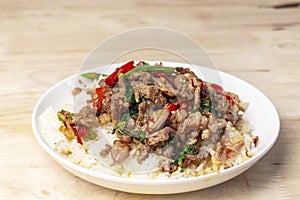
[172, 114]
[165, 111]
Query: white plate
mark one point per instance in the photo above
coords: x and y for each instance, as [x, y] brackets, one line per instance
[261, 115]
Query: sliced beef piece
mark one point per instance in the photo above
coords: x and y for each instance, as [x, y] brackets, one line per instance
[118, 106]
[168, 151]
[142, 116]
[166, 87]
[177, 118]
[138, 78]
[211, 136]
[204, 94]
[183, 85]
[220, 105]
[232, 114]
[159, 136]
[202, 155]
[142, 90]
[191, 123]
[187, 70]
[153, 93]
[104, 152]
[215, 124]
[192, 137]
[144, 154]
[122, 137]
[130, 124]
[203, 123]
[216, 128]
[87, 117]
[169, 168]
[107, 101]
[197, 99]
[119, 152]
[159, 117]
[195, 81]
[152, 115]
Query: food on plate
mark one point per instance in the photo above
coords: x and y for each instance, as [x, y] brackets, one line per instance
[168, 112]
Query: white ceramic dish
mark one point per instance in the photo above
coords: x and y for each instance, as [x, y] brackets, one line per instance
[261, 115]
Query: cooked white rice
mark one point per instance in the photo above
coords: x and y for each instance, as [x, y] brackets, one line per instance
[88, 156]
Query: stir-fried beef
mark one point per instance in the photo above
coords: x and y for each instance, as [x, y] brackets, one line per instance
[123, 137]
[140, 76]
[119, 103]
[169, 168]
[220, 105]
[153, 93]
[182, 84]
[144, 153]
[159, 119]
[166, 87]
[197, 99]
[142, 115]
[159, 136]
[166, 111]
[87, 117]
[177, 118]
[119, 151]
[190, 124]
[104, 152]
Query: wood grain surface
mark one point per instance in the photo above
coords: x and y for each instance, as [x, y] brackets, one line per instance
[43, 42]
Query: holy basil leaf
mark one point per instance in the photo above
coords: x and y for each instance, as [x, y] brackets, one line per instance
[91, 75]
[205, 106]
[189, 149]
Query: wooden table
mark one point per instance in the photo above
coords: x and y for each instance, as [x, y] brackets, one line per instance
[42, 42]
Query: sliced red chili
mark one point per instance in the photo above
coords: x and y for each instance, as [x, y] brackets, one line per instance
[186, 163]
[113, 78]
[127, 67]
[229, 99]
[228, 152]
[76, 133]
[99, 96]
[79, 140]
[172, 107]
[255, 140]
[216, 87]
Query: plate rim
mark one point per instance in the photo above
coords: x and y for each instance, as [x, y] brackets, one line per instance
[126, 180]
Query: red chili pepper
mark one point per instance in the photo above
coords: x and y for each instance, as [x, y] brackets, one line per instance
[127, 67]
[228, 152]
[113, 78]
[229, 99]
[98, 97]
[172, 107]
[186, 163]
[79, 140]
[216, 87]
[76, 133]
[255, 140]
